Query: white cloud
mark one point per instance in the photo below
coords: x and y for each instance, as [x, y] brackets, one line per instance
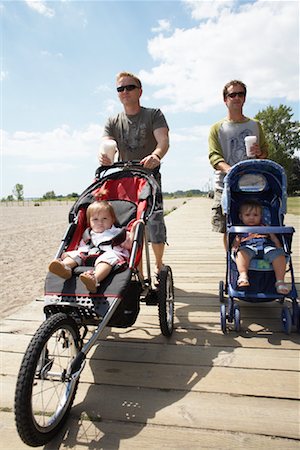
[56, 145]
[40, 7]
[47, 168]
[3, 75]
[163, 25]
[46, 53]
[257, 43]
[196, 134]
[102, 88]
[209, 9]
[63, 159]
[52, 168]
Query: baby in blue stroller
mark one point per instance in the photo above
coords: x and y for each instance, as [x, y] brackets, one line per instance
[259, 247]
[247, 246]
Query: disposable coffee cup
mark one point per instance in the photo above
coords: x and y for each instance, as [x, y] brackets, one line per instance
[109, 148]
[249, 141]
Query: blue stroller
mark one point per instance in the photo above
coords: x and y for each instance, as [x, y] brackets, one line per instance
[265, 181]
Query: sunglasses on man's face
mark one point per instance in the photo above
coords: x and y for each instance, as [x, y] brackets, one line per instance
[236, 94]
[128, 87]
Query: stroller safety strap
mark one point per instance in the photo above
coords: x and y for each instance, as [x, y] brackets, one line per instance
[116, 240]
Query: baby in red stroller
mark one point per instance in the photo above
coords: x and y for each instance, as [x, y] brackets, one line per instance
[104, 244]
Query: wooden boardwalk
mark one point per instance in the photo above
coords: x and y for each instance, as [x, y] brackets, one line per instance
[197, 390]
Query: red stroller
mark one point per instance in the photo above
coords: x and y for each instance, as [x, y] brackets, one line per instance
[52, 364]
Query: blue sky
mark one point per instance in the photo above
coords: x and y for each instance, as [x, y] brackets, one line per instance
[58, 65]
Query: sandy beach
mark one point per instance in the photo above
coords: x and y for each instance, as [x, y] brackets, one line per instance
[30, 239]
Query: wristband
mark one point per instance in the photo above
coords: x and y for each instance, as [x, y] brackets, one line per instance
[155, 154]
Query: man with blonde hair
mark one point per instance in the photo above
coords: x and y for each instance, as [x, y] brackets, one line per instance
[141, 134]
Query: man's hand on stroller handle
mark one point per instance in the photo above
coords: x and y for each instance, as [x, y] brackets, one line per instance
[151, 161]
[223, 167]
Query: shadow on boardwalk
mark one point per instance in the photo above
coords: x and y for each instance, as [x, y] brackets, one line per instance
[140, 378]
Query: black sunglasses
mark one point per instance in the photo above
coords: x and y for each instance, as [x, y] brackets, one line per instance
[236, 94]
[128, 87]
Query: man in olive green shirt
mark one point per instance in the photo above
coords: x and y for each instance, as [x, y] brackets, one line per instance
[227, 146]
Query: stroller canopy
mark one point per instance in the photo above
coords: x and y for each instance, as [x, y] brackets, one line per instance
[263, 179]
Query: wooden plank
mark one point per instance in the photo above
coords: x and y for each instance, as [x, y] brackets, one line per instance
[285, 384]
[257, 337]
[184, 408]
[274, 358]
[80, 432]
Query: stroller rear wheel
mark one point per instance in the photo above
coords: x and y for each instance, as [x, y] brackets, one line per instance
[166, 301]
[223, 318]
[221, 292]
[45, 389]
[298, 318]
[286, 319]
[237, 318]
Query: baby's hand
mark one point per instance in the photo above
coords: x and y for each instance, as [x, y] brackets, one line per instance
[235, 248]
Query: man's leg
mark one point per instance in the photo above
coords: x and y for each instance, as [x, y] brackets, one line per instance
[225, 241]
[158, 250]
[218, 220]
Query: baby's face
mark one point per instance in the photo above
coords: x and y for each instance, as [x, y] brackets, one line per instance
[251, 216]
[101, 221]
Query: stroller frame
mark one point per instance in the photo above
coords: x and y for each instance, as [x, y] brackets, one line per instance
[258, 176]
[51, 367]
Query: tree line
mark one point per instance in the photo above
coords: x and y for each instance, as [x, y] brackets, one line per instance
[282, 134]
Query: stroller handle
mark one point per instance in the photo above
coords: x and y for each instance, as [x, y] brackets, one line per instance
[134, 164]
[262, 229]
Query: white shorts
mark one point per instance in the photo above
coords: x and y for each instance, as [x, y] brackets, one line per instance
[108, 257]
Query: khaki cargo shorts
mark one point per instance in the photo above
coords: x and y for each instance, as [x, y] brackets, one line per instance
[218, 219]
[157, 232]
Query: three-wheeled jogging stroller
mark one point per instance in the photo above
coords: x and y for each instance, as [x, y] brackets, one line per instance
[265, 181]
[52, 364]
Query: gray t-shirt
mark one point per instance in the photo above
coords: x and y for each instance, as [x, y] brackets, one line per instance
[226, 143]
[134, 134]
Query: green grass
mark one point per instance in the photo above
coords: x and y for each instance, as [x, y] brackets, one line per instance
[293, 205]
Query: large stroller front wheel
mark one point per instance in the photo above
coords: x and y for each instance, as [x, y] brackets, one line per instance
[45, 388]
[166, 301]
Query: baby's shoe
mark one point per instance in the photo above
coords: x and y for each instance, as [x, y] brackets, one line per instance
[89, 280]
[58, 268]
[281, 287]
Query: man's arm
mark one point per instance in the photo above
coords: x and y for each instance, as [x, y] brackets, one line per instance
[215, 152]
[153, 160]
[162, 137]
[223, 166]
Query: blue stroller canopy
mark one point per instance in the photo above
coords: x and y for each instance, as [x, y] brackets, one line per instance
[255, 177]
